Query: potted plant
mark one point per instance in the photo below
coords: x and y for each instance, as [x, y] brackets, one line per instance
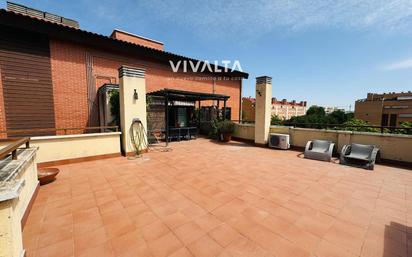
[226, 129]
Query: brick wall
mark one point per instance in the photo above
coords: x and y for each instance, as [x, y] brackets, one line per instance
[248, 109]
[69, 84]
[70, 80]
[2, 114]
[156, 115]
[137, 40]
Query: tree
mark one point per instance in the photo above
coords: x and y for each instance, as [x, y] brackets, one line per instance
[316, 110]
[275, 120]
[405, 124]
[314, 115]
[354, 123]
[339, 117]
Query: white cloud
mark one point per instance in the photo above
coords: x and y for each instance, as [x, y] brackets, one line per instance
[262, 16]
[401, 65]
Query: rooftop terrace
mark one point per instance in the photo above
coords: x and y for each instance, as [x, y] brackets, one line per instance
[208, 199]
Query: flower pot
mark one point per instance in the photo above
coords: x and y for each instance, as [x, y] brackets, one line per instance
[226, 137]
[47, 175]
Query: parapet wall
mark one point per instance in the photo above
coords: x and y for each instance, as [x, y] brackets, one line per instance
[70, 147]
[394, 147]
[18, 184]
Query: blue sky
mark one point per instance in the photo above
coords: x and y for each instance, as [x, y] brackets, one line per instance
[324, 51]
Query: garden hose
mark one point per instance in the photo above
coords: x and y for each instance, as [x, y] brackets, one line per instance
[137, 134]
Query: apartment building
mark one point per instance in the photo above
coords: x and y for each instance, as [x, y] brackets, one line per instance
[286, 110]
[283, 109]
[387, 109]
[330, 109]
[51, 70]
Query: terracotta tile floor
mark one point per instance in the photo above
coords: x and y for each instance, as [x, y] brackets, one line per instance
[206, 199]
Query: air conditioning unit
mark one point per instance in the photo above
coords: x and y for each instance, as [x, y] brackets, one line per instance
[280, 141]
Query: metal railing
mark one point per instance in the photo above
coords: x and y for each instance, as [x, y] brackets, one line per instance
[371, 128]
[244, 121]
[18, 8]
[365, 128]
[64, 131]
[15, 143]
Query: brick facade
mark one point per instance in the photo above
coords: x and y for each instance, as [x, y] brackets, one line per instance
[248, 109]
[282, 109]
[81, 62]
[135, 39]
[2, 114]
[286, 110]
[69, 74]
[69, 84]
[387, 109]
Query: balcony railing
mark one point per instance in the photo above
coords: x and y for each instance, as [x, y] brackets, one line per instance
[367, 128]
[381, 129]
[12, 147]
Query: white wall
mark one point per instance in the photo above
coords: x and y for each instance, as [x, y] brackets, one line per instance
[56, 148]
[393, 146]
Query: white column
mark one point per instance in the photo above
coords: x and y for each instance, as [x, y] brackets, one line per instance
[263, 109]
[132, 81]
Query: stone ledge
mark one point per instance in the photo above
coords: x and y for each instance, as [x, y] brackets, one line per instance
[9, 169]
[11, 189]
[103, 134]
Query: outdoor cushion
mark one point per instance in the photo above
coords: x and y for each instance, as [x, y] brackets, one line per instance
[319, 150]
[360, 152]
[359, 155]
[320, 146]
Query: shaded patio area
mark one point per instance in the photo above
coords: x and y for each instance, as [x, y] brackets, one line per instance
[208, 199]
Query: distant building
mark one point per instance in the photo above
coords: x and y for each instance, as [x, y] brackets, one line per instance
[283, 109]
[286, 110]
[330, 109]
[387, 109]
[51, 72]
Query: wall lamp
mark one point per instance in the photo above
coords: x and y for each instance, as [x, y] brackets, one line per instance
[135, 95]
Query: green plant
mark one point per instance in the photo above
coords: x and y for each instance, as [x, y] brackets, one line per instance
[357, 125]
[114, 107]
[214, 128]
[316, 117]
[218, 127]
[405, 124]
[226, 127]
[275, 120]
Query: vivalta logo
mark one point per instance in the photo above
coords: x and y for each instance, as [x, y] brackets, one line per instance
[202, 66]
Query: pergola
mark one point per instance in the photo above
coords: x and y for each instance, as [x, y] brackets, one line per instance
[186, 96]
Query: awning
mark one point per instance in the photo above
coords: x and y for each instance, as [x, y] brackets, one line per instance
[180, 95]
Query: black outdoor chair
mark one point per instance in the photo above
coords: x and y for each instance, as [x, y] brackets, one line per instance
[319, 150]
[193, 132]
[184, 133]
[359, 155]
[174, 133]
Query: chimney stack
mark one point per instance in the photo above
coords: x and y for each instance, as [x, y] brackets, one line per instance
[263, 109]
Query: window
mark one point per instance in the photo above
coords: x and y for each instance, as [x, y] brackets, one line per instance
[393, 120]
[228, 114]
[385, 118]
[182, 117]
[404, 98]
[396, 107]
